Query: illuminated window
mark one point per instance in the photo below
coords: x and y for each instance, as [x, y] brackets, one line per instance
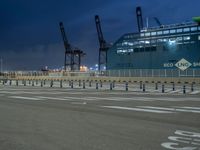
[172, 31]
[186, 38]
[199, 28]
[147, 34]
[159, 33]
[142, 34]
[199, 37]
[166, 32]
[194, 29]
[186, 29]
[179, 39]
[153, 33]
[179, 30]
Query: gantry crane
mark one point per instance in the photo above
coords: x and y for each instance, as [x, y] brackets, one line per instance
[103, 45]
[72, 55]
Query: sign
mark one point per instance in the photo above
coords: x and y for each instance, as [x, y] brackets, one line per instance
[183, 64]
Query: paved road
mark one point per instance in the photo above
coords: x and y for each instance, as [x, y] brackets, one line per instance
[34, 118]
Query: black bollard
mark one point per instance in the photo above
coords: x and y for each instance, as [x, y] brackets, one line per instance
[44, 82]
[51, 83]
[79, 83]
[90, 84]
[41, 84]
[101, 85]
[156, 86]
[126, 86]
[24, 82]
[192, 87]
[97, 86]
[140, 85]
[144, 88]
[61, 84]
[163, 88]
[72, 84]
[29, 82]
[83, 84]
[32, 83]
[17, 83]
[36, 82]
[111, 86]
[173, 87]
[10, 82]
[184, 89]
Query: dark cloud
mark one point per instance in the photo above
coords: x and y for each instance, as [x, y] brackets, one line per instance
[30, 36]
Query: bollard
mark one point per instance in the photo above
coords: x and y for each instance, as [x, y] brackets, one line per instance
[184, 89]
[10, 82]
[36, 82]
[32, 83]
[44, 82]
[156, 88]
[101, 85]
[69, 83]
[126, 86]
[61, 84]
[29, 82]
[41, 84]
[79, 83]
[111, 86]
[144, 88]
[163, 88]
[140, 85]
[17, 83]
[24, 82]
[72, 84]
[51, 83]
[173, 87]
[192, 87]
[90, 84]
[83, 84]
[97, 86]
[3, 82]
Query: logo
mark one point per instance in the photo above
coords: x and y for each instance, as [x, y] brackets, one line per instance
[183, 64]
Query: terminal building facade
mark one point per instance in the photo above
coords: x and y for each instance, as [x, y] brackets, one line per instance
[172, 50]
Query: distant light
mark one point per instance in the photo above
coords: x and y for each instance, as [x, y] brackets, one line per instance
[96, 65]
[172, 42]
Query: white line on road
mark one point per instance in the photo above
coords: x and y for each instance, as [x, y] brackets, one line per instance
[170, 109]
[137, 109]
[26, 98]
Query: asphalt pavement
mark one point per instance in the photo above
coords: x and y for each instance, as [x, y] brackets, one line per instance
[44, 118]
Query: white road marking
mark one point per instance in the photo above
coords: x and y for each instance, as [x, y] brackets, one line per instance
[170, 109]
[137, 109]
[195, 108]
[183, 140]
[79, 103]
[53, 98]
[26, 98]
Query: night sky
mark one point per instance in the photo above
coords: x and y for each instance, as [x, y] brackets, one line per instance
[30, 36]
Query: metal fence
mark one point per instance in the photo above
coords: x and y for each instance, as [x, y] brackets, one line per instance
[153, 73]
